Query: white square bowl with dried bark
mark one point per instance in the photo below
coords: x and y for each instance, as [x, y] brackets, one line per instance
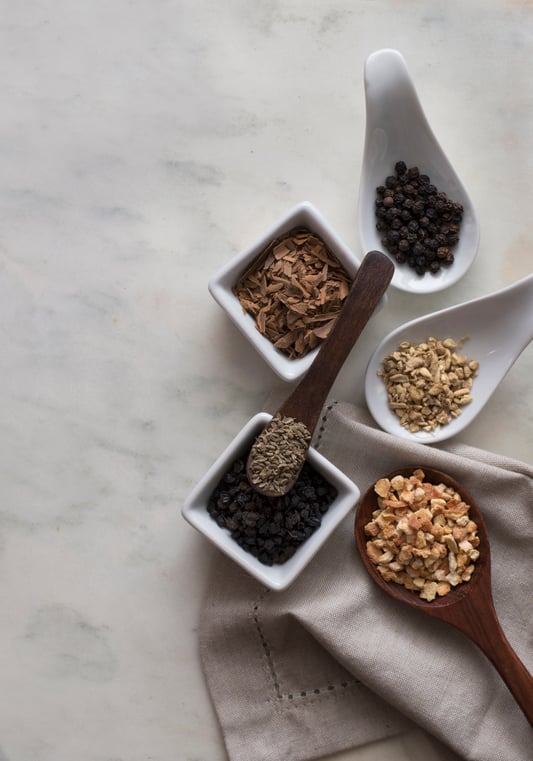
[277, 576]
[285, 289]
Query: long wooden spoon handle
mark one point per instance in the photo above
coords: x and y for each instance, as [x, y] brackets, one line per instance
[370, 283]
[485, 630]
[512, 671]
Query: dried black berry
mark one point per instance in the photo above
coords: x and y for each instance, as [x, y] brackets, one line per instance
[270, 528]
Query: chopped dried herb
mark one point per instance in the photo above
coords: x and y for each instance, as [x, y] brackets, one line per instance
[294, 291]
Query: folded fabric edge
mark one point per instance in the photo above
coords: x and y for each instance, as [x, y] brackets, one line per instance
[256, 721]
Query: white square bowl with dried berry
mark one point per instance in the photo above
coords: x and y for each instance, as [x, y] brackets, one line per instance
[272, 538]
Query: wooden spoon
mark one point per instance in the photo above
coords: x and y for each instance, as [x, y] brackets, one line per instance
[306, 401]
[469, 606]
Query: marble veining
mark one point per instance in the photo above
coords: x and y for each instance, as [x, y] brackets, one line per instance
[141, 147]
[68, 646]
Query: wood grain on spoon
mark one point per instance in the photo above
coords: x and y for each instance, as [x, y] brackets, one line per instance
[469, 607]
[306, 401]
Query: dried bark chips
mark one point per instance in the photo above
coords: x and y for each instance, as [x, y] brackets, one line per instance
[294, 291]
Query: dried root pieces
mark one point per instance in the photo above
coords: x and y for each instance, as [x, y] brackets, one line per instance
[421, 535]
[428, 383]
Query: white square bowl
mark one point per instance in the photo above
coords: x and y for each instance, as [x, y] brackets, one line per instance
[276, 577]
[221, 284]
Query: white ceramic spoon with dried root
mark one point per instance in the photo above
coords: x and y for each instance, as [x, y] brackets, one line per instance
[397, 130]
[498, 327]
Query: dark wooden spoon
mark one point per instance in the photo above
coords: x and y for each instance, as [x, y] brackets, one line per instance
[469, 606]
[306, 401]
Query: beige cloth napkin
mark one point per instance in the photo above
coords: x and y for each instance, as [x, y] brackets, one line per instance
[333, 662]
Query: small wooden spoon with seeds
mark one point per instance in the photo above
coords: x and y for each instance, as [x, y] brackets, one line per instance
[469, 606]
[279, 452]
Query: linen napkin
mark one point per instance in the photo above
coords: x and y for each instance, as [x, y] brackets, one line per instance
[333, 662]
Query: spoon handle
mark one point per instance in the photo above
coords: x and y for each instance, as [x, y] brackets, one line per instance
[389, 88]
[370, 283]
[483, 628]
[527, 285]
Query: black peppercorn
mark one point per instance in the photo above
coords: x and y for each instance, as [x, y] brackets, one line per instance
[419, 223]
[400, 167]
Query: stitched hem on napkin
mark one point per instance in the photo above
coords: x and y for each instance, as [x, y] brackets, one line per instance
[267, 710]
[333, 663]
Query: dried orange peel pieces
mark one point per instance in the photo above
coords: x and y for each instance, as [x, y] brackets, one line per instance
[421, 536]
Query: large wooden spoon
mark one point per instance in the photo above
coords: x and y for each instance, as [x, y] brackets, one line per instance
[469, 607]
[306, 401]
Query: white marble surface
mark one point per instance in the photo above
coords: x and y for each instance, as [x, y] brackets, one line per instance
[142, 144]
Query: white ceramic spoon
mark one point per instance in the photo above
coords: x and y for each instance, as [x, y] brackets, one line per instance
[397, 130]
[499, 327]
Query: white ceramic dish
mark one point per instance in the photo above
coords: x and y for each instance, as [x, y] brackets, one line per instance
[499, 327]
[275, 577]
[220, 285]
[397, 129]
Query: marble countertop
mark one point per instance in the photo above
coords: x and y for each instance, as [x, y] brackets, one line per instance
[142, 145]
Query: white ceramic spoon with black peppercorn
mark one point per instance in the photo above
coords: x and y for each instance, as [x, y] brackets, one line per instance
[278, 454]
[497, 327]
[398, 130]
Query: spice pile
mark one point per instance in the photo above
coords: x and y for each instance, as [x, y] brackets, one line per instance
[419, 225]
[277, 454]
[422, 536]
[428, 383]
[270, 528]
[294, 291]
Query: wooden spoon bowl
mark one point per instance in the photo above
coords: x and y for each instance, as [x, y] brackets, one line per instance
[469, 606]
